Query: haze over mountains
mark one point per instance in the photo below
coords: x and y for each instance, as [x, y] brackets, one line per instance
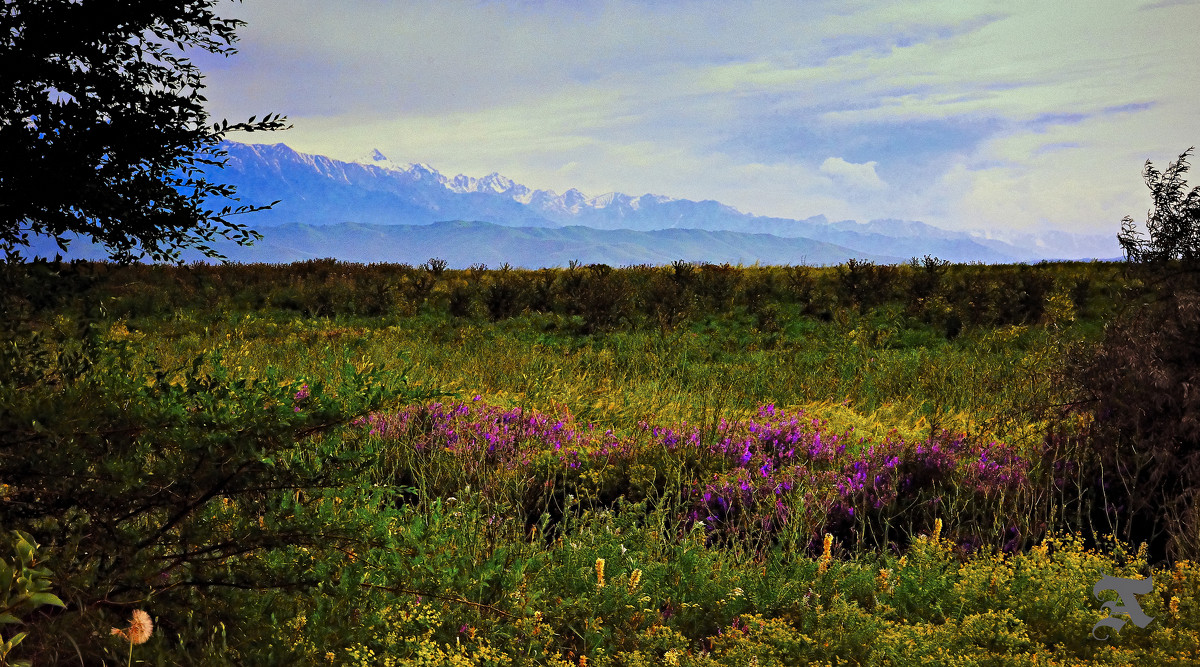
[375, 210]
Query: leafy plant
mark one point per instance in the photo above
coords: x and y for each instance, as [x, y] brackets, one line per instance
[25, 588]
[187, 485]
[1174, 221]
[103, 125]
[1140, 382]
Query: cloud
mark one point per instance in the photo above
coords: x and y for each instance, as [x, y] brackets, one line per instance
[856, 175]
[955, 113]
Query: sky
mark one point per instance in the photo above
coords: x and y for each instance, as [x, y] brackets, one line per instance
[1011, 116]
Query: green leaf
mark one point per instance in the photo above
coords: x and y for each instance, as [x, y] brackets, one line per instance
[9, 618]
[17, 638]
[47, 598]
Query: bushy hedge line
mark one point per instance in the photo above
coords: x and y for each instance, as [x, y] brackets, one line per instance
[598, 297]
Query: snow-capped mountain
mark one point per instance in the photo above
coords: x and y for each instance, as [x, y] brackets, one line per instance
[571, 202]
[317, 190]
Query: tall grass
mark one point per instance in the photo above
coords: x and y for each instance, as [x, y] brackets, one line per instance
[685, 465]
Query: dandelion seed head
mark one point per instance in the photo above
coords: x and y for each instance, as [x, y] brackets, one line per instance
[139, 630]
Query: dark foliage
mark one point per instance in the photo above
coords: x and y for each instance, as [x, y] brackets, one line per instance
[1174, 221]
[1141, 381]
[103, 128]
[587, 299]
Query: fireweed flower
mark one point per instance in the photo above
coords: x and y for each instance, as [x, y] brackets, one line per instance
[759, 459]
[300, 396]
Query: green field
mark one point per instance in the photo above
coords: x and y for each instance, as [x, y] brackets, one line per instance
[690, 464]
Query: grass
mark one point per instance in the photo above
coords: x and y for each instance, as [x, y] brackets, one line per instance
[653, 455]
[906, 378]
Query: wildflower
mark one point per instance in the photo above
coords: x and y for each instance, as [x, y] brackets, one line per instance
[737, 593]
[883, 579]
[1174, 606]
[599, 573]
[937, 529]
[583, 661]
[634, 580]
[826, 555]
[139, 629]
[1180, 572]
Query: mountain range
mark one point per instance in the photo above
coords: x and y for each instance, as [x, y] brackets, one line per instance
[376, 210]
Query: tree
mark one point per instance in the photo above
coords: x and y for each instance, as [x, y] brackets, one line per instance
[103, 131]
[1173, 223]
[1141, 381]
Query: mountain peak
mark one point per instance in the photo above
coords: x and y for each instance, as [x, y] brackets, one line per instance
[320, 190]
[376, 158]
[494, 182]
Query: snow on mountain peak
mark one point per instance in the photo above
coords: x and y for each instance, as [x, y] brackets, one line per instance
[572, 201]
[376, 158]
[606, 200]
[494, 182]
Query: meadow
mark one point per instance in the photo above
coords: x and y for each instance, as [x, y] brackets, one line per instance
[329, 463]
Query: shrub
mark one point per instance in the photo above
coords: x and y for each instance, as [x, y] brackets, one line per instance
[1174, 221]
[1141, 382]
[190, 492]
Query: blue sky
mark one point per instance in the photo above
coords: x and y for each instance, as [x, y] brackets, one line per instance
[994, 116]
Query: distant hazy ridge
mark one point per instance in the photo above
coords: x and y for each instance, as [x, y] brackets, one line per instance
[374, 210]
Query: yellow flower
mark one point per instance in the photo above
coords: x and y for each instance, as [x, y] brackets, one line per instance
[1179, 575]
[937, 529]
[826, 555]
[599, 573]
[139, 629]
[1174, 605]
[634, 580]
